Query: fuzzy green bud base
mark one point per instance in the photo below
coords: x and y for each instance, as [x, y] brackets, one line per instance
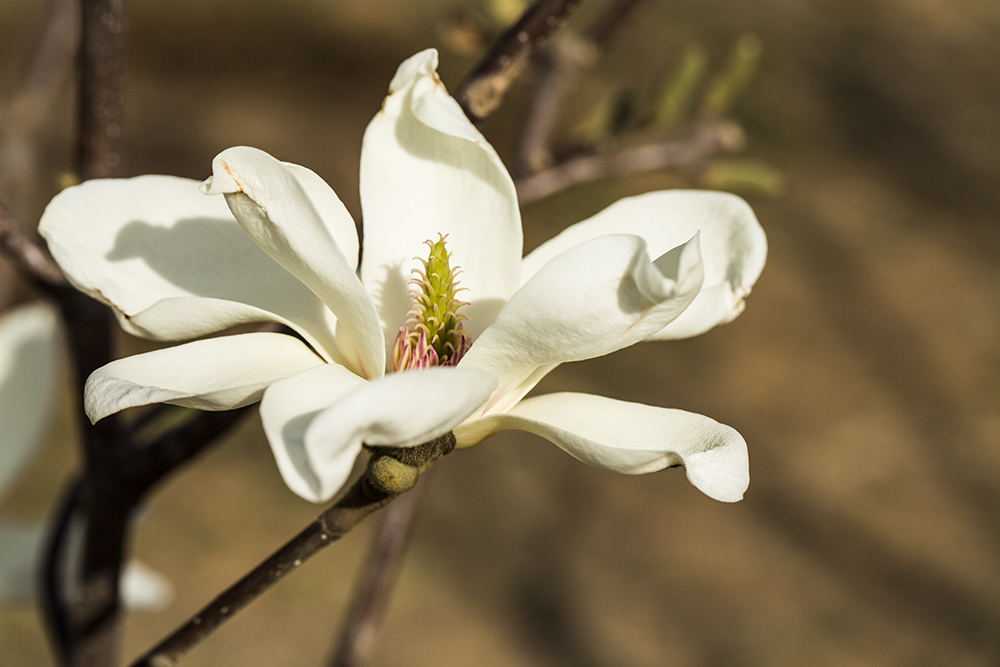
[395, 470]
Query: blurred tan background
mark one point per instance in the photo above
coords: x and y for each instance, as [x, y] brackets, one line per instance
[864, 374]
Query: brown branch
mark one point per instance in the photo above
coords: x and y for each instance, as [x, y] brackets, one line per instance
[708, 140]
[380, 571]
[100, 137]
[27, 255]
[104, 503]
[146, 467]
[390, 473]
[485, 87]
[359, 502]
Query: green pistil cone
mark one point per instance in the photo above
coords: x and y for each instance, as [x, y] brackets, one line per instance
[433, 334]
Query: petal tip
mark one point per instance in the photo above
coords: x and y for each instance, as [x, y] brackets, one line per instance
[421, 64]
[225, 168]
[723, 471]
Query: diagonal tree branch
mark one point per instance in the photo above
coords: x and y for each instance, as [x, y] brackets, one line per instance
[485, 87]
[359, 502]
[381, 483]
[708, 140]
[147, 466]
[27, 255]
[375, 582]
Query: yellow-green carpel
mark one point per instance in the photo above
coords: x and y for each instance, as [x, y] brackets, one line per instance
[433, 334]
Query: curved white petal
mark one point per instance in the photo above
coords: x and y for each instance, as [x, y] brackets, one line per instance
[287, 409]
[284, 213]
[425, 170]
[179, 318]
[629, 438]
[399, 410]
[331, 210]
[213, 374]
[317, 421]
[29, 346]
[132, 243]
[733, 247]
[595, 298]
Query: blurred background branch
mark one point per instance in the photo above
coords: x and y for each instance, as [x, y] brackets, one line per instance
[485, 87]
[29, 257]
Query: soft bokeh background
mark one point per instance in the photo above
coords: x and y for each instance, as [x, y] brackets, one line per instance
[865, 373]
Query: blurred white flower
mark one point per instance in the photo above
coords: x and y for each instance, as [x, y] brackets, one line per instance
[174, 265]
[29, 349]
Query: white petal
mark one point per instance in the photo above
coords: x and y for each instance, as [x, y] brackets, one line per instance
[733, 247]
[186, 317]
[331, 210]
[425, 170]
[317, 422]
[287, 409]
[133, 243]
[29, 346]
[280, 214]
[399, 410]
[629, 438]
[213, 374]
[597, 297]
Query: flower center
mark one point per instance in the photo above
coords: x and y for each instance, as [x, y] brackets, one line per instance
[433, 334]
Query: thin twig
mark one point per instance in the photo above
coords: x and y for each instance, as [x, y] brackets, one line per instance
[149, 465]
[386, 478]
[381, 568]
[557, 69]
[485, 87]
[29, 257]
[708, 140]
[359, 502]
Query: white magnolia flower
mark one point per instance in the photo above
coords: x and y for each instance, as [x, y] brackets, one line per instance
[29, 349]
[175, 264]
